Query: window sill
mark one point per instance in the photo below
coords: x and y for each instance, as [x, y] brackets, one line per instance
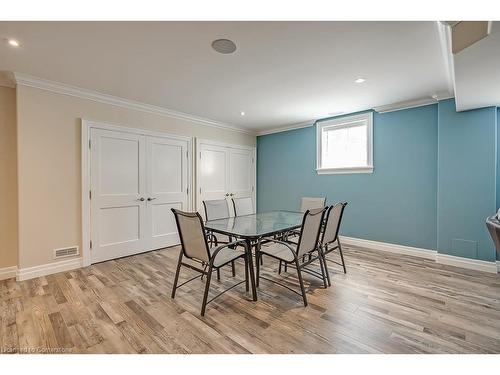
[344, 170]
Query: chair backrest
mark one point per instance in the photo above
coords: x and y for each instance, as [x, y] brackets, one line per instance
[332, 223]
[216, 209]
[311, 228]
[308, 203]
[243, 206]
[192, 234]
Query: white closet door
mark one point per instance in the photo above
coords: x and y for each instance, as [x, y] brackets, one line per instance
[213, 174]
[242, 173]
[167, 188]
[224, 171]
[118, 186]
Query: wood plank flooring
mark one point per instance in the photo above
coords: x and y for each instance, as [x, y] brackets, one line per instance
[385, 304]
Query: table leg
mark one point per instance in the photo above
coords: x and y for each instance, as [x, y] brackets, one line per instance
[251, 269]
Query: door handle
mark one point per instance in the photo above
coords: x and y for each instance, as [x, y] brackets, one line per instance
[231, 194]
[141, 199]
[227, 194]
[151, 199]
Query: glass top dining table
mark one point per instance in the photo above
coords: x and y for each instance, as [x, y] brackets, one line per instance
[253, 227]
[258, 225]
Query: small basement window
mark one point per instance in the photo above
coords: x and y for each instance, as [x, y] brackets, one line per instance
[345, 145]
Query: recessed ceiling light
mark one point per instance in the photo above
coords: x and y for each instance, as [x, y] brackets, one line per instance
[13, 42]
[224, 46]
[242, 113]
[360, 80]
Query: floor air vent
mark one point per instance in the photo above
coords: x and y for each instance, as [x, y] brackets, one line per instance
[66, 252]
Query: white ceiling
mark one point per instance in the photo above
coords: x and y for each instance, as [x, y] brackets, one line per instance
[477, 73]
[282, 73]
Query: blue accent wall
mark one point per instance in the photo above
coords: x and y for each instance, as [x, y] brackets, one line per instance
[433, 185]
[396, 203]
[466, 180]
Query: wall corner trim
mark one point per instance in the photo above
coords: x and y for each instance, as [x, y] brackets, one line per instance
[65, 89]
[450, 260]
[48, 269]
[8, 272]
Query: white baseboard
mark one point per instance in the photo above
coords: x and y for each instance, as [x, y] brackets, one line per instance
[8, 272]
[472, 264]
[48, 269]
[389, 247]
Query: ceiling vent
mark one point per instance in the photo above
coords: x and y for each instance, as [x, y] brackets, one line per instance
[66, 252]
[224, 46]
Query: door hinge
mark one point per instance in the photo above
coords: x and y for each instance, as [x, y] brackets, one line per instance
[200, 190]
[90, 143]
[187, 191]
[90, 194]
[187, 154]
[253, 160]
[200, 154]
[91, 244]
[252, 188]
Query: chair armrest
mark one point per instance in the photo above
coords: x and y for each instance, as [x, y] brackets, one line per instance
[282, 243]
[234, 243]
[290, 241]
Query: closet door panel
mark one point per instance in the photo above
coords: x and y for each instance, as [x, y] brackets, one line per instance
[167, 182]
[117, 185]
[213, 174]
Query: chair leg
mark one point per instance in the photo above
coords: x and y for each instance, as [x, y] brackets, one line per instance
[258, 255]
[233, 270]
[326, 269]
[218, 274]
[322, 268]
[207, 287]
[177, 272]
[279, 269]
[301, 282]
[247, 286]
[285, 266]
[342, 258]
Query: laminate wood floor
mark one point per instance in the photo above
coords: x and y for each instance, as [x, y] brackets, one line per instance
[385, 304]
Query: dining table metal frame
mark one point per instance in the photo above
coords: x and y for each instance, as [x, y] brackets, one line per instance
[250, 229]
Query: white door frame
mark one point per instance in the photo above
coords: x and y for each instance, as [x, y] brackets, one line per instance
[199, 142]
[87, 125]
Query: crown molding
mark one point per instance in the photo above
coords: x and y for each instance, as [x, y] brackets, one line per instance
[405, 105]
[65, 89]
[280, 129]
[380, 109]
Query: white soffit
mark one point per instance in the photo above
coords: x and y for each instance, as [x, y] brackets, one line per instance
[477, 73]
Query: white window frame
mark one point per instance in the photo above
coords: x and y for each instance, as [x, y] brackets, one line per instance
[341, 123]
